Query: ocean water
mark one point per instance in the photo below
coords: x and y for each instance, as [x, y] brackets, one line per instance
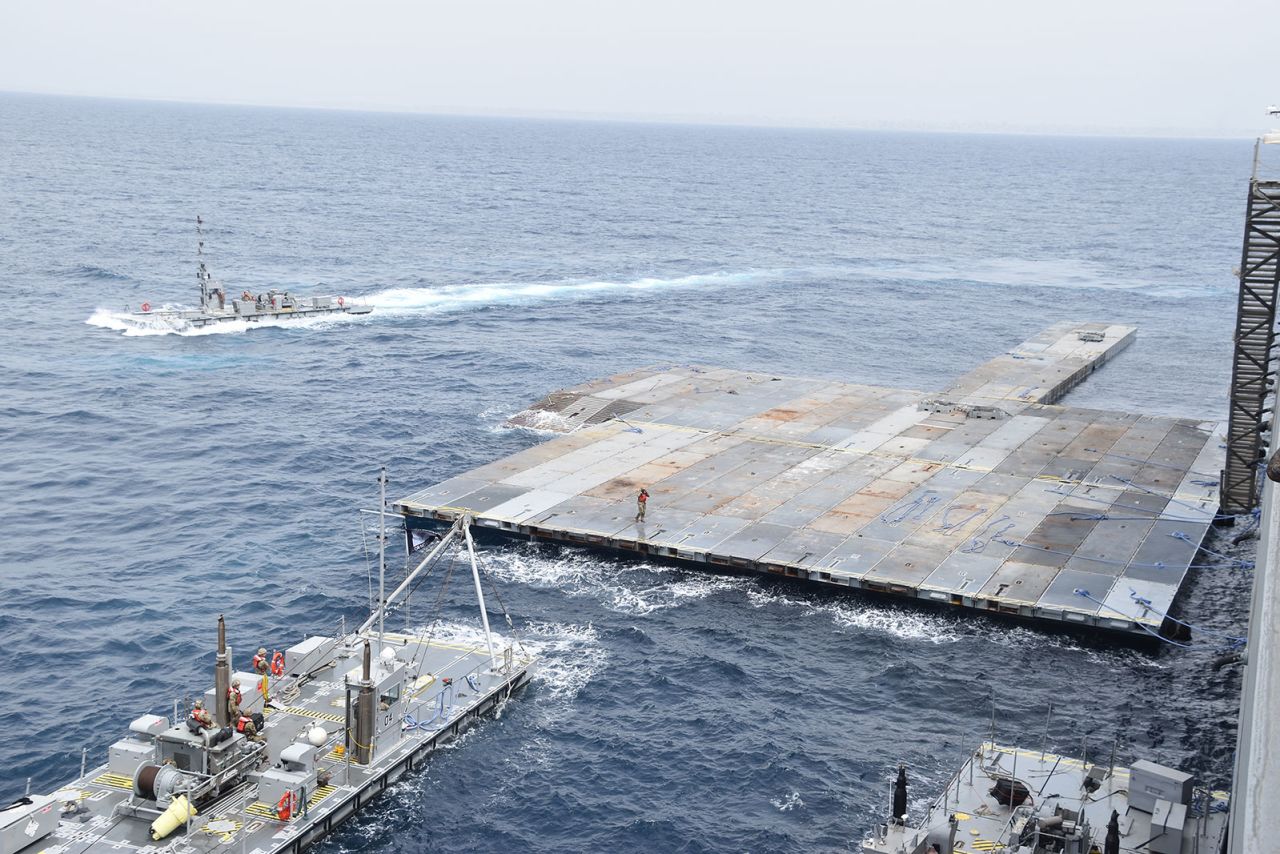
[151, 483]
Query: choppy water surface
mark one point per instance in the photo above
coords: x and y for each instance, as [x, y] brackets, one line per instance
[153, 482]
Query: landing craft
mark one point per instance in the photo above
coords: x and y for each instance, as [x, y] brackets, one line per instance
[270, 762]
[215, 308]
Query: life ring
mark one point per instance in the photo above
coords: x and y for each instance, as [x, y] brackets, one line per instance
[146, 306]
[277, 664]
[341, 302]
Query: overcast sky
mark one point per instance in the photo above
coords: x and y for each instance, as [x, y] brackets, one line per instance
[1208, 67]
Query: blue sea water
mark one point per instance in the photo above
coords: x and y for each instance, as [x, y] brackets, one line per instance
[151, 483]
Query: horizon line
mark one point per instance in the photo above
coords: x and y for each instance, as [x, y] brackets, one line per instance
[680, 120]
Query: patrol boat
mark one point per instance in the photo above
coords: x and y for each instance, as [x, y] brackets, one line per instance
[1033, 802]
[344, 718]
[215, 308]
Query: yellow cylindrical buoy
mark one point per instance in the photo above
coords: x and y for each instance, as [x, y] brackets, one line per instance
[178, 813]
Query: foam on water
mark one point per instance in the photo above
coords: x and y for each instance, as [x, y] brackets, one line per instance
[788, 803]
[568, 655]
[911, 625]
[635, 589]
[447, 298]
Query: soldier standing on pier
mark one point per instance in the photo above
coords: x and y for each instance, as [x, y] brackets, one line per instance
[641, 500]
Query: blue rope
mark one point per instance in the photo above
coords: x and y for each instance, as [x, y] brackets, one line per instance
[944, 525]
[916, 507]
[1243, 564]
[1080, 517]
[977, 543]
[1157, 565]
[1080, 591]
[1148, 462]
[1146, 603]
[1171, 499]
[1157, 514]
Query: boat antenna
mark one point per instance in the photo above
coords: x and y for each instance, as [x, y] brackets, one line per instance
[382, 556]
[202, 272]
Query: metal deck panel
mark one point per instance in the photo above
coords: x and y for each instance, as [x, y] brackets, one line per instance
[855, 556]
[1061, 592]
[906, 565]
[707, 532]
[753, 541]
[962, 573]
[488, 496]
[803, 547]
[662, 526]
[1019, 582]
[526, 505]
[444, 493]
[585, 513]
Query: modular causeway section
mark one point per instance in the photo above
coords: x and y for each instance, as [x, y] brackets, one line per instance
[986, 496]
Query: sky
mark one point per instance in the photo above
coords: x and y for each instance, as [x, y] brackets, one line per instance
[1148, 67]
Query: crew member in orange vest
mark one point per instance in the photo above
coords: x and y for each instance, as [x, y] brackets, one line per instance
[245, 724]
[641, 500]
[201, 716]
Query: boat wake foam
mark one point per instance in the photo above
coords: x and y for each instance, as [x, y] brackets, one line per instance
[448, 298]
[631, 589]
[400, 302]
[568, 655]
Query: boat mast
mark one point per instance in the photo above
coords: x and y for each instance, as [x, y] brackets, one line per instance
[382, 555]
[202, 273]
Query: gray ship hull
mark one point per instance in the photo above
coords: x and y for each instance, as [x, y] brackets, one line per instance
[202, 318]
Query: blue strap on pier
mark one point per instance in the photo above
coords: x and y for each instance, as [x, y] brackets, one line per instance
[1080, 591]
[1243, 564]
[1146, 603]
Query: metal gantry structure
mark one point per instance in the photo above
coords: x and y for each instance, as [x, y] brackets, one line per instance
[1252, 371]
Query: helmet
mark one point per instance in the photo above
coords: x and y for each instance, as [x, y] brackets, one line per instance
[262, 650]
[199, 704]
[235, 683]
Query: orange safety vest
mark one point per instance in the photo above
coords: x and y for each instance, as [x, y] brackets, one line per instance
[242, 722]
[232, 692]
[259, 661]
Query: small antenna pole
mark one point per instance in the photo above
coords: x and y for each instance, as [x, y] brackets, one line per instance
[382, 555]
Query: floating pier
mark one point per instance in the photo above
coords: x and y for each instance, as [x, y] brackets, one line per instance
[986, 496]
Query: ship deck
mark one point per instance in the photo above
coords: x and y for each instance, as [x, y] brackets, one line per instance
[987, 496]
[1057, 784]
[238, 821]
